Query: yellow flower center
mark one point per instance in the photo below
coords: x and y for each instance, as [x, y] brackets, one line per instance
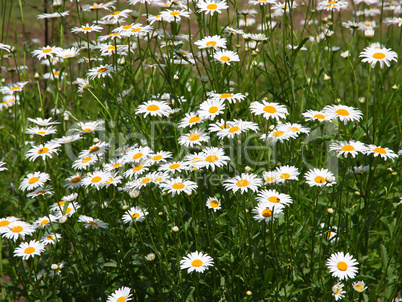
[342, 112]
[242, 183]
[225, 58]
[29, 250]
[274, 199]
[178, 186]
[359, 288]
[61, 203]
[380, 150]
[17, 229]
[174, 166]
[127, 26]
[115, 13]
[87, 130]
[15, 88]
[332, 2]
[214, 203]
[348, 148]
[94, 149]
[319, 179]
[145, 180]
[92, 223]
[269, 109]
[121, 299]
[194, 119]
[33, 180]
[138, 155]
[267, 213]
[342, 266]
[49, 237]
[157, 157]
[269, 179]
[197, 263]
[211, 158]
[100, 70]
[42, 132]
[278, 133]
[40, 192]
[175, 13]
[4, 223]
[47, 50]
[44, 221]
[87, 28]
[226, 95]
[153, 108]
[194, 137]
[86, 159]
[294, 129]
[68, 210]
[211, 44]
[137, 168]
[213, 109]
[76, 179]
[43, 150]
[212, 6]
[135, 215]
[135, 30]
[234, 129]
[116, 165]
[111, 47]
[319, 116]
[96, 179]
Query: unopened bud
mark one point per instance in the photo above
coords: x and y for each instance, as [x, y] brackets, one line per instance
[36, 76]
[247, 168]
[175, 229]
[330, 211]
[54, 266]
[357, 193]
[150, 257]
[125, 207]
[326, 77]
[63, 219]
[249, 293]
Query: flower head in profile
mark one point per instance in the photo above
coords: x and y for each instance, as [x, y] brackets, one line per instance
[359, 286]
[226, 56]
[101, 71]
[338, 292]
[385, 153]
[134, 214]
[342, 266]
[196, 261]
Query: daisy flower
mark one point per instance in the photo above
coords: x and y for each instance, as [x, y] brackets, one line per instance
[332, 5]
[50, 238]
[90, 222]
[44, 221]
[137, 170]
[34, 180]
[117, 15]
[174, 15]
[236, 127]
[269, 110]
[154, 108]
[214, 42]
[68, 53]
[226, 56]
[385, 153]
[68, 210]
[58, 206]
[41, 131]
[329, 232]
[265, 212]
[378, 55]
[359, 286]
[345, 148]
[213, 203]
[5, 47]
[160, 157]
[42, 150]
[271, 177]
[261, 2]
[5, 222]
[98, 149]
[137, 154]
[178, 185]
[213, 157]
[8, 101]
[296, 128]
[313, 115]
[233, 31]
[230, 97]
[176, 166]
[211, 108]
[134, 214]
[87, 29]
[318, 177]
[195, 137]
[27, 250]
[344, 113]
[12, 88]
[89, 127]
[45, 52]
[243, 183]
[74, 181]
[190, 119]
[42, 122]
[280, 133]
[17, 229]
[101, 71]
[84, 163]
[96, 179]
[120, 295]
[113, 179]
[46, 190]
[342, 266]
[338, 292]
[273, 198]
[360, 169]
[196, 261]
[211, 6]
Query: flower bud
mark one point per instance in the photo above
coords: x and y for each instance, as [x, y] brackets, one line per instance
[330, 211]
[150, 257]
[175, 229]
